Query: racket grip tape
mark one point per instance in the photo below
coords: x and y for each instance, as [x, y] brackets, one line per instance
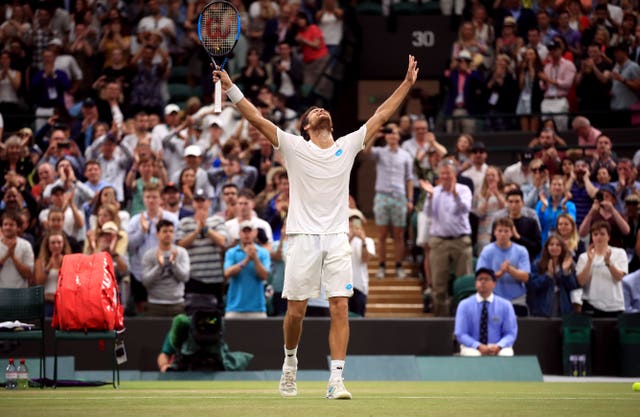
[217, 97]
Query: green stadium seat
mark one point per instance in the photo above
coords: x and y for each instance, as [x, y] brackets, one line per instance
[629, 336]
[178, 74]
[181, 92]
[430, 7]
[405, 8]
[369, 8]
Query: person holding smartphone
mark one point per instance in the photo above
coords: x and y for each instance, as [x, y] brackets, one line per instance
[603, 209]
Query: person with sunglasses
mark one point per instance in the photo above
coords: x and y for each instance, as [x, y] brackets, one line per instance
[538, 183]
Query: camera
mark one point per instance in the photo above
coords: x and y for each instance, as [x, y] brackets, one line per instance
[64, 145]
[599, 196]
[357, 223]
[386, 130]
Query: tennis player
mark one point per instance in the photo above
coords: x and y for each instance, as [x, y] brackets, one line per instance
[319, 253]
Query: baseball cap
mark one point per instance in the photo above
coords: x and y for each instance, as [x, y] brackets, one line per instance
[509, 21]
[109, 227]
[199, 194]
[247, 224]
[171, 186]
[486, 271]
[88, 102]
[478, 146]
[554, 45]
[527, 156]
[171, 108]
[357, 213]
[56, 42]
[192, 150]
[608, 188]
[464, 54]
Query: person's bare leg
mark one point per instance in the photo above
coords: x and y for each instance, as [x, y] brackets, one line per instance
[292, 324]
[339, 330]
[383, 232]
[398, 246]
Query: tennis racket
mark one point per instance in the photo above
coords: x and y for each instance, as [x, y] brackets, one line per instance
[219, 31]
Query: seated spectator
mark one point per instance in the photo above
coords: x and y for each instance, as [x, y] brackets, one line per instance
[276, 273]
[509, 42]
[600, 271]
[511, 263]
[46, 176]
[231, 170]
[518, 173]
[113, 240]
[165, 269]
[538, 185]
[15, 159]
[246, 266]
[114, 164]
[631, 291]
[16, 254]
[485, 322]
[548, 209]
[467, 41]
[229, 202]
[187, 187]
[587, 134]
[48, 264]
[553, 278]
[547, 151]
[462, 152]
[107, 213]
[626, 80]
[478, 168]
[603, 208]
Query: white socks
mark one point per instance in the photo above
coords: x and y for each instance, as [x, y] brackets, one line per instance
[290, 358]
[336, 369]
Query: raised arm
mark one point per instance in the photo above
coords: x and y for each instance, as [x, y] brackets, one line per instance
[246, 108]
[390, 105]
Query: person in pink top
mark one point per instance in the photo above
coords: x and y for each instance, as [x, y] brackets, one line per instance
[587, 134]
[555, 80]
[315, 54]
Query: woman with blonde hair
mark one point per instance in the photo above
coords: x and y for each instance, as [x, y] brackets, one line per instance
[489, 201]
[47, 266]
[106, 213]
[549, 208]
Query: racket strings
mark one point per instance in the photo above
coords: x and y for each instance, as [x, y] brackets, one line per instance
[219, 29]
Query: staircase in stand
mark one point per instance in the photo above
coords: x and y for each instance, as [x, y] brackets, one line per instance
[392, 297]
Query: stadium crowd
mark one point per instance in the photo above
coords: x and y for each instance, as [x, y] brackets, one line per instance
[188, 201]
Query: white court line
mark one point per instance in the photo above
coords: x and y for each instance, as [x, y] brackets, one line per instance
[308, 396]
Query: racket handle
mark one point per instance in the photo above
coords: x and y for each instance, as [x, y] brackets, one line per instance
[217, 97]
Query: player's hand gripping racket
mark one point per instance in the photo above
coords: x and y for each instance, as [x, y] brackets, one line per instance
[219, 31]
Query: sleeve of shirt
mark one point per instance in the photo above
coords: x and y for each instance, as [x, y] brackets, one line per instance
[135, 233]
[524, 264]
[483, 259]
[265, 258]
[619, 260]
[463, 325]
[582, 261]
[27, 257]
[150, 267]
[229, 259]
[571, 210]
[509, 326]
[181, 266]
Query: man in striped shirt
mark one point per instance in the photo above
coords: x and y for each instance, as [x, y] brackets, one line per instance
[204, 237]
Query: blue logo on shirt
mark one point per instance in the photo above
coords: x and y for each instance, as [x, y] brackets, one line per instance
[339, 152]
[348, 286]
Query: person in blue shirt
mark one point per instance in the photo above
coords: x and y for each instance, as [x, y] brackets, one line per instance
[501, 323]
[548, 209]
[511, 264]
[631, 292]
[247, 266]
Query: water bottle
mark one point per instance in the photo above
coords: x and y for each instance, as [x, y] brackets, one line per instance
[23, 375]
[11, 375]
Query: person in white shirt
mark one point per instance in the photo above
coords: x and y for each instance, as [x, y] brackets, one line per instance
[479, 166]
[362, 247]
[600, 271]
[16, 254]
[319, 255]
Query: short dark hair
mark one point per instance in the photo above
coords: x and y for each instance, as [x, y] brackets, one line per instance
[230, 185]
[515, 191]
[12, 215]
[488, 271]
[247, 193]
[599, 225]
[164, 223]
[504, 222]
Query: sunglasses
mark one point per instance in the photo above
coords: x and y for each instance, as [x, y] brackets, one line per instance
[537, 169]
[478, 151]
[631, 203]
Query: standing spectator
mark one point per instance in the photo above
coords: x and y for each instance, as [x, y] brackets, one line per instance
[142, 238]
[229, 201]
[146, 91]
[276, 274]
[593, 90]
[526, 231]
[485, 322]
[330, 21]
[530, 97]
[422, 140]
[478, 169]
[626, 83]
[10, 91]
[47, 266]
[535, 43]
[287, 74]
[67, 64]
[487, 203]
[509, 43]
[502, 92]
[603, 157]
[544, 25]
[158, 24]
[548, 209]
[511, 263]
[47, 88]
[600, 271]
[556, 79]
[448, 205]
[144, 167]
[231, 170]
[14, 159]
[549, 154]
[467, 41]
[253, 75]
[315, 54]
[466, 90]
[394, 196]
[553, 278]
[519, 173]
[114, 165]
[246, 265]
[632, 216]
[362, 248]
[205, 238]
[165, 269]
[16, 254]
[570, 35]
[581, 189]
[604, 209]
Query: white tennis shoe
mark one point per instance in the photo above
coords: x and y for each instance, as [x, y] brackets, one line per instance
[336, 390]
[288, 387]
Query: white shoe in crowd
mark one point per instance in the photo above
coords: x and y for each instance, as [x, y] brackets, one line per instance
[380, 273]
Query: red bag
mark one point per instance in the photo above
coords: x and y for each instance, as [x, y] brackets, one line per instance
[87, 297]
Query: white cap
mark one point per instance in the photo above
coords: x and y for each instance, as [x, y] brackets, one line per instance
[192, 150]
[464, 54]
[171, 108]
[55, 41]
[247, 224]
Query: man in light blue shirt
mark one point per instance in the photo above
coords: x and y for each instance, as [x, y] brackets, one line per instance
[631, 292]
[494, 337]
[511, 263]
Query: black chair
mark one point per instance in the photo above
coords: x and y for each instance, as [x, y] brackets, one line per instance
[628, 325]
[88, 335]
[25, 305]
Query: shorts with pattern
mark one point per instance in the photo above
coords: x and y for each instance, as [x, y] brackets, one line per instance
[390, 209]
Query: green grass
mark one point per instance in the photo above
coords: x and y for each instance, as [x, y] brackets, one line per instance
[217, 398]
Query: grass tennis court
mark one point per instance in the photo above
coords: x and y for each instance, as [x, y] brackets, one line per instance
[219, 398]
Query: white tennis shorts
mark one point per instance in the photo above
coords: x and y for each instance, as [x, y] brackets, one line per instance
[312, 261]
